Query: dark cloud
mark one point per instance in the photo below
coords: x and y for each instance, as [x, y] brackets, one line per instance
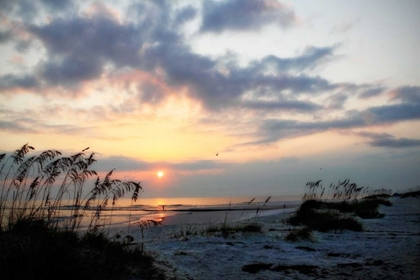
[407, 94]
[395, 113]
[5, 37]
[80, 47]
[15, 127]
[7, 5]
[150, 93]
[84, 48]
[244, 15]
[309, 59]
[273, 130]
[282, 105]
[58, 5]
[28, 10]
[374, 135]
[220, 90]
[185, 14]
[389, 141]
[395, 143]
[371, 92]
[336, 101]
[70, 70]
[10, 81]
[25, 9]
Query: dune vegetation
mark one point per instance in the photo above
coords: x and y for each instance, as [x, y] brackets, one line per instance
[343, 206]
[37, 241]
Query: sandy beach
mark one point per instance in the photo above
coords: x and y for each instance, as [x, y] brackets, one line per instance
[388, 248]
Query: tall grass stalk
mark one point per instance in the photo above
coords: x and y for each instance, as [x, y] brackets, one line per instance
[344, 190]
[35, 187]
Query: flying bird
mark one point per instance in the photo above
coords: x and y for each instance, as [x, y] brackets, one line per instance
[217, 154]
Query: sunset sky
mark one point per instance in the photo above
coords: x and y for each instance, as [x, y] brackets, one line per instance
[284, 92]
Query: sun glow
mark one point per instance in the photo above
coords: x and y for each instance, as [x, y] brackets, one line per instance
[160, 174]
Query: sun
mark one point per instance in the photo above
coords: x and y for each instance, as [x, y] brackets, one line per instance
[160, 174]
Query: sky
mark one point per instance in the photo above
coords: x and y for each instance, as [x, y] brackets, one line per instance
[226, 98]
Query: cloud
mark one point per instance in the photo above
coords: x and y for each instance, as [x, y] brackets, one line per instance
[395, 113]
[10, 81]
[79, 48]
[389, 141]
[27, 9]
[5, 36]
[336, 101]
[406, 94]
[272, 130]
[371, 92]
[245, 15]
[151, 93]
[396, 143]
[309, 59]
[58, 5]
[184, 15]
[15, 127]
[341, 28]
[20, 125]
[84, 48]
[288, 105]
[218, 90]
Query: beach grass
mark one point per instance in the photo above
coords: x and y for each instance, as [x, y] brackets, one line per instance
[324, 216]
[35, 250]
[227, 228]
[185, 231]
[411, 194]
[36, 242]
[324, 221]
[298, 234]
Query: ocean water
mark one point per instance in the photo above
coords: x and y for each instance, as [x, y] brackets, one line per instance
[181, 210]
[170, 211]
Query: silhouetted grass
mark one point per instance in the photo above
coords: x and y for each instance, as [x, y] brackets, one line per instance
[37, 243]
[410, 194]
[298, 234]
[366, 208]
[324, 220]
[35, 250]
[344, 190]
[332, 215]
[229, 228]
[34, 187]
[325, 216]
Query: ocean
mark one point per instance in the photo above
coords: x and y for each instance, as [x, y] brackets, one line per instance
[196, 210]
[175, 211]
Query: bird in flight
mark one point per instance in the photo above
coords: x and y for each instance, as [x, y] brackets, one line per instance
[217, 154]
